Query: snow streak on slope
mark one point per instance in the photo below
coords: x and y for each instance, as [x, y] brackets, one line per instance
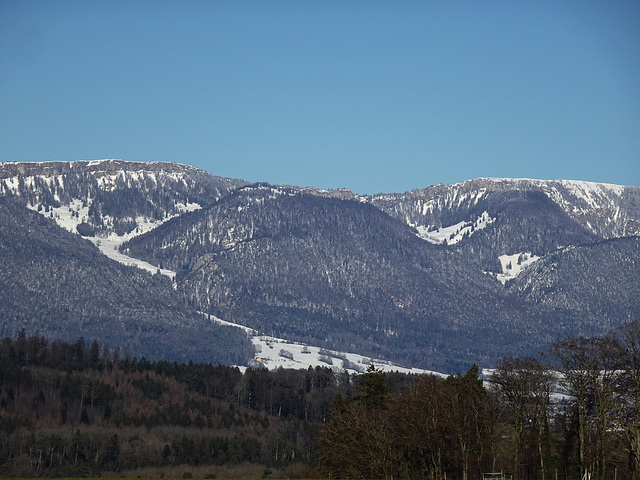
[71, 215]
[110, 245]
[454, 233]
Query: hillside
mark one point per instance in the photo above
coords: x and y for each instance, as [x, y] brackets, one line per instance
[57, 284]
[335, 272]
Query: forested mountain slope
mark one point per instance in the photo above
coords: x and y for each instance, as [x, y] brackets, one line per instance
[337, 272]
[57, 284]
[438, 277]
[346, 275]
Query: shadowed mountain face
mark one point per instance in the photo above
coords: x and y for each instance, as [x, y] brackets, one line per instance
[436, 278]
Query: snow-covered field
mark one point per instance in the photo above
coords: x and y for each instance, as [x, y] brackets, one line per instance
[272, 353]
[512, 265]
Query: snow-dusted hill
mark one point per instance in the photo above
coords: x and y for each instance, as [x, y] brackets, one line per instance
[436, 278]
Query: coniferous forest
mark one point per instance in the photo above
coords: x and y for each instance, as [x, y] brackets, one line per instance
[80, 410]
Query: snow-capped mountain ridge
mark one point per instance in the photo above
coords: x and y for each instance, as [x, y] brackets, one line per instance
[371, 274]
[117, 193]
[605, 209]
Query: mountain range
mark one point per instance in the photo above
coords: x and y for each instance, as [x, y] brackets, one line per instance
[147, 254]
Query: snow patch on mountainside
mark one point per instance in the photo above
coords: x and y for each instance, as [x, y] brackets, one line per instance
[451, 198]
[593, 194]
[454, 233]
[9, 185]
[67, 216]
[109, 181]
[187, 207]
[12, 184]
[512, 265]
[579, 198]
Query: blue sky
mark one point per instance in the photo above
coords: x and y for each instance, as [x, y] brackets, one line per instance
[367, 95]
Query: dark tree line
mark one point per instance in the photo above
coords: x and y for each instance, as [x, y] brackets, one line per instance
[77, 409]
[435, 427]
[573, 412]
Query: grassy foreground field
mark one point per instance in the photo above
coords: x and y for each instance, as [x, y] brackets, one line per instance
[241, 471]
